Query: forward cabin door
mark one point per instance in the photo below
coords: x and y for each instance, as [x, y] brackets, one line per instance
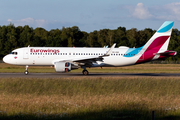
[26, 53]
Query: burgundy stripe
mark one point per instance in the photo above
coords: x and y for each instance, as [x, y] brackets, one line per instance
[153, 49]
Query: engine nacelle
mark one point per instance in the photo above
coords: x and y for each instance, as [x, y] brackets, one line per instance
[62, 66]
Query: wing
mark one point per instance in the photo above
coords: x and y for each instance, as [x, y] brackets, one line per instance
[87, 61]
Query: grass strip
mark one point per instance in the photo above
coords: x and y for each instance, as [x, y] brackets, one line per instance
[141, 68]
[90, 98]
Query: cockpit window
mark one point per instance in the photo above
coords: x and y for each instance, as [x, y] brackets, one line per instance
[14, 53]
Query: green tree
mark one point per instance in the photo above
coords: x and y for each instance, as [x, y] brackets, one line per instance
[132, 36]
[3, 39]
[40, 37]
[92, 39]
[26, 36]
[11, 40]
[120, 37]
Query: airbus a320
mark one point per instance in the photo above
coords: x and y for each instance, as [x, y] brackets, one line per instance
[65, 59]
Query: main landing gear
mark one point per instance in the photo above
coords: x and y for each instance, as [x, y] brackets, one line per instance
[26, 72]
[85, 72]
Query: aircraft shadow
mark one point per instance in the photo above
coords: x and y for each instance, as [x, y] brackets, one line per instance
[121, 114]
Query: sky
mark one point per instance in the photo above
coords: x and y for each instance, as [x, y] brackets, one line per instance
[90, 15]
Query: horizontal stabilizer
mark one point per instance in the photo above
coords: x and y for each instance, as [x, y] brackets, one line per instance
[167, 53]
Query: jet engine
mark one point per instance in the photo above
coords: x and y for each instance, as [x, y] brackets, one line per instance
[62, 66]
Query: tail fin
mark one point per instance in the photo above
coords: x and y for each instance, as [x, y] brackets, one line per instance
[158, 43]
[160, 40]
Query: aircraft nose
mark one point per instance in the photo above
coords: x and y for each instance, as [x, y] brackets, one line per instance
[5, 59]
[10, 59]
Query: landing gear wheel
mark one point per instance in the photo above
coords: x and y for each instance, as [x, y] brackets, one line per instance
[26, 72]
[85, 72]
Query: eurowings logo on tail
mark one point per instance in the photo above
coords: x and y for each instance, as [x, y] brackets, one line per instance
[156, 47]
[158, 43]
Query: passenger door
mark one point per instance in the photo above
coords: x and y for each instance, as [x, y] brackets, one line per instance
[26, 53]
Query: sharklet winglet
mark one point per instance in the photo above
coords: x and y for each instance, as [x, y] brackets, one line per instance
[110, 50]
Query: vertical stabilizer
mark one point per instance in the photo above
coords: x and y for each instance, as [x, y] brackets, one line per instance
[158, 42]
[161, 37]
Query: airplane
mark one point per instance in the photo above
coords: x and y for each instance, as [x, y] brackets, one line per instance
[65, 59]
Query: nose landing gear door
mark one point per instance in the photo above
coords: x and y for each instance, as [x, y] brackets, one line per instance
[26, 53]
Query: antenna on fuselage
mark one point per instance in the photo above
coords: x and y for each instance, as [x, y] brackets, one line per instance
[28, 45]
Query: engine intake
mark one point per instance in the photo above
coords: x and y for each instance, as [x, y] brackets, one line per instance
[62, 66]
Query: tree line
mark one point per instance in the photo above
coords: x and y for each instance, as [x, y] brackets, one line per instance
[12, 37]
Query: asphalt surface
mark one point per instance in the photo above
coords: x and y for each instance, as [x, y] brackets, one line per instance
[66, 75]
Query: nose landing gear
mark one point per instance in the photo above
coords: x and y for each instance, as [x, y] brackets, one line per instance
[26, 72]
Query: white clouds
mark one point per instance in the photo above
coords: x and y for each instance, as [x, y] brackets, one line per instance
[29, 21]
[46, 24]
[174, 7]
[169, 11]
[114, 15]
[9, 20]
[141, 12]
[173, 10]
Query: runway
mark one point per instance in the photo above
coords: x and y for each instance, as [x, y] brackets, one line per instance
[66, 75]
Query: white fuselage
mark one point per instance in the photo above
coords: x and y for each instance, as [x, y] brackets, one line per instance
[49, 55]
